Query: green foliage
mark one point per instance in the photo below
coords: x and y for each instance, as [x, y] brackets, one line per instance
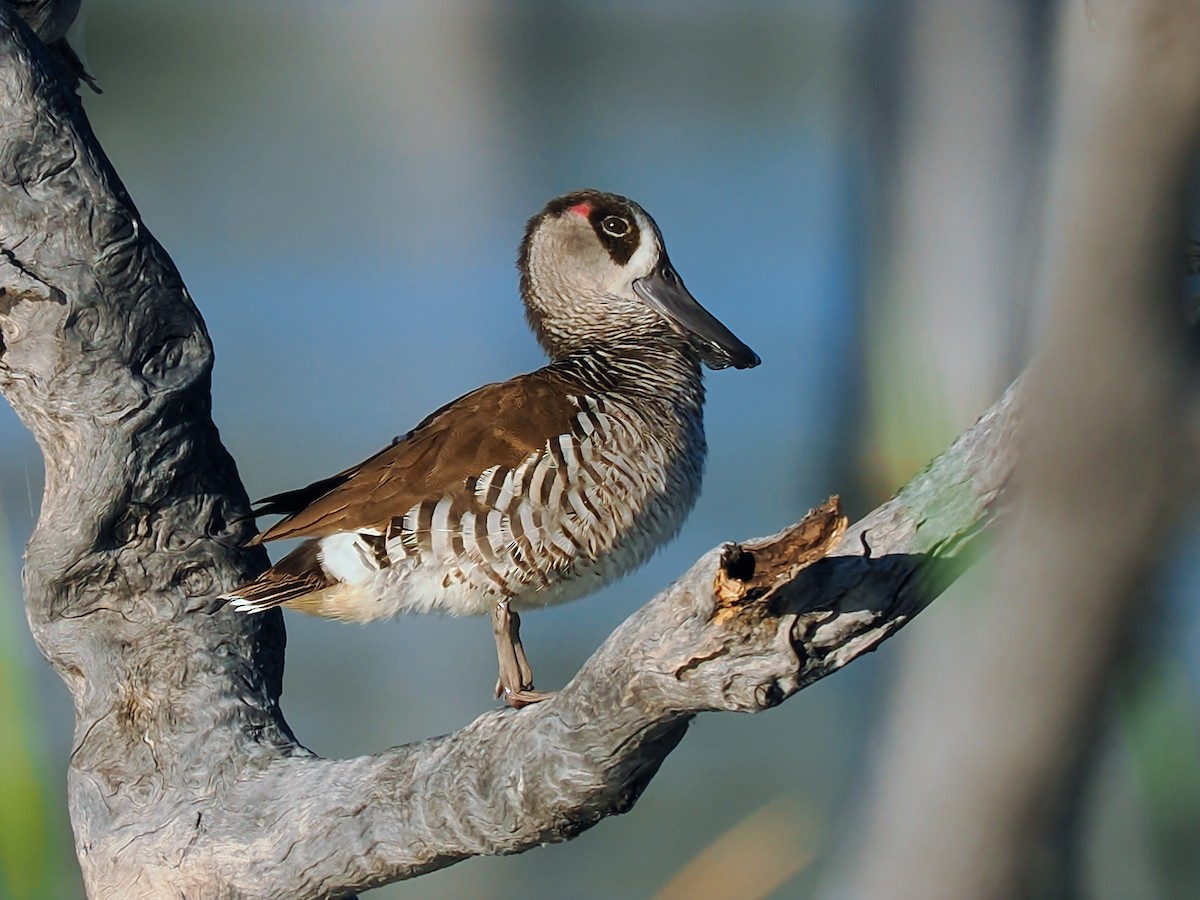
[27, 863]
[1158, 719]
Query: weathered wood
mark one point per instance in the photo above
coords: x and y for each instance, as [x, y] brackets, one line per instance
[185, 779]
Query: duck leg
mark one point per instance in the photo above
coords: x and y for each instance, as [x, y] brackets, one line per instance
[515, 684]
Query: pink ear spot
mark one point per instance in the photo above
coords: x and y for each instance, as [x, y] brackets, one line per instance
[581, 209]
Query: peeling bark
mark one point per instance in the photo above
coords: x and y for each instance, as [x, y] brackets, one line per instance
[185, 779]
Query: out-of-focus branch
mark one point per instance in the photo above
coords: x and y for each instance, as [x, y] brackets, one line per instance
[1101, 471]
[50, 21]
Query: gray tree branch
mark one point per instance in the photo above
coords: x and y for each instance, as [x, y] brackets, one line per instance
[185, 779]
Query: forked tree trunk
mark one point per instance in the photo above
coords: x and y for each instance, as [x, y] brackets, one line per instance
[185, 780]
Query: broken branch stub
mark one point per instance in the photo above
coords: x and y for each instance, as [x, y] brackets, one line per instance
[744, 657]
[757, 570]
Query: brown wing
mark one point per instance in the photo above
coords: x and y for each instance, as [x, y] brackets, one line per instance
[496, 425]
[296, 575]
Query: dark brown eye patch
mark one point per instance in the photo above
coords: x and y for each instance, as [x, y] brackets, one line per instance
[616, 230]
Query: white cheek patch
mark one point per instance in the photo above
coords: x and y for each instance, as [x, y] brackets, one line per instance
[645, 258]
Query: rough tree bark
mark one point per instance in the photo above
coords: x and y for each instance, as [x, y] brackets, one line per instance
[185, 779]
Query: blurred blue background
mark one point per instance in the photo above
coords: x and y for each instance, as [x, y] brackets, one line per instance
[343, 187]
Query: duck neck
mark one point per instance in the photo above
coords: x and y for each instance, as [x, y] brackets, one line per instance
[665, 372]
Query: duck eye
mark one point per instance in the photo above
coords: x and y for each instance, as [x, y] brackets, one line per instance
[615, 226]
